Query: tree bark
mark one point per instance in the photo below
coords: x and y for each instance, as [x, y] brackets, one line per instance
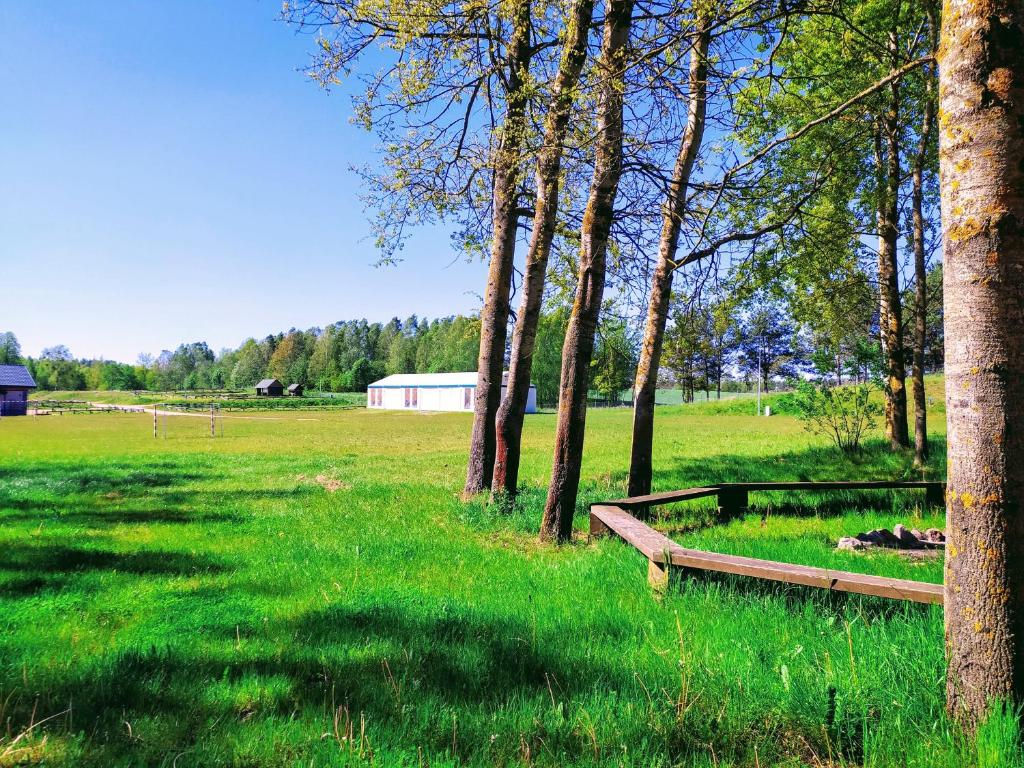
[981, 143]
[509, 426]
[646, 384]
[494, 315]
[578, 347]
[920, 286]
[890, 305]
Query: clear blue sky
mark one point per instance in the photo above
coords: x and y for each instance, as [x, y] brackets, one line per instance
[167, 175]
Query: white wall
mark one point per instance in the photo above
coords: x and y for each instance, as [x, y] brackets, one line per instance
[436, 399]
[531, 400]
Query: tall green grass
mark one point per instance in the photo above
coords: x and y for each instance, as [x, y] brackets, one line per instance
[310, 590]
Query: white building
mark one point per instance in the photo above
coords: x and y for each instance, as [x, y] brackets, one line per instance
[432, 392]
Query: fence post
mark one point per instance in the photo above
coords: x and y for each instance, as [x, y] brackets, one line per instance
[732, 503]
[935, 494]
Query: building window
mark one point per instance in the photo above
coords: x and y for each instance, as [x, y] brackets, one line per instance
[406, 397]
[415, 397]
[467, 398]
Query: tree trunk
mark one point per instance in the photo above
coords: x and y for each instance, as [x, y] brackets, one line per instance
[920, 285]
[509, 427]
[981, 143]
[494, 315]
[646, 384]
[578, 347]
[890, 308]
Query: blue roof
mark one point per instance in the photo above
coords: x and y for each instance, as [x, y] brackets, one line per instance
[15, 376]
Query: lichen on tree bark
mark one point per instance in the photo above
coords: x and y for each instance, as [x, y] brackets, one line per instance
[981, 146]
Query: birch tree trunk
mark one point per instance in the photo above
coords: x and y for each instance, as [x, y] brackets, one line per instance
[578, 347]
[920, 265]
[645, 386]
[920, 288]
[981, 146]
[494, 315]
[509, 425]
[890, 305]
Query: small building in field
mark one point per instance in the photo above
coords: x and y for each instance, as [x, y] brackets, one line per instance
[432, 392]
[15, 384]
[269, 388]
[296, 390]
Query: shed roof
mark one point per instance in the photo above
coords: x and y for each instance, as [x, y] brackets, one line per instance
[461, 379]
[294, 387]
[264, 383]
[15, 376]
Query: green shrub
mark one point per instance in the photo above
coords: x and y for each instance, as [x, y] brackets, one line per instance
[843, 414]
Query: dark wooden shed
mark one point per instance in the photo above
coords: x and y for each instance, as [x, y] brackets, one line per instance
[296, 390]
[269, 388]
[15, 384]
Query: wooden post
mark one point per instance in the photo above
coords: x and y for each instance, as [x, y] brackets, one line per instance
[935, 495]
[213, 423]
[154, 421]
[657, 575]
[597, 527]
[732, 503]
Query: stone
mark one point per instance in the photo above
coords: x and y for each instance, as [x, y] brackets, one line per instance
[851, 543]
[881, 537]
[934, 534]
[907, 540]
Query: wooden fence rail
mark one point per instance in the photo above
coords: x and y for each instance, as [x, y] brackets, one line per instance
[617, 517]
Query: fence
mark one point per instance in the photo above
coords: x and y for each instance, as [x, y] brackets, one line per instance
[625, 518]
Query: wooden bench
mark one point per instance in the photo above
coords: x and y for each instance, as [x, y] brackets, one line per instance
[662, 553]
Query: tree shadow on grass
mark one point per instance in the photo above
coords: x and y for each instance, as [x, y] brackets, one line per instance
[67, 477]
[377, 661]
[876, 462]
[109, 495]
[45, 567]
[54, 558]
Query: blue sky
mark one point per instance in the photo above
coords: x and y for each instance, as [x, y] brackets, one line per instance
[168, 175]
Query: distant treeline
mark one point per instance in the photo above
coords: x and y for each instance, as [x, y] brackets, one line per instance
[719, 344]
[343, 357]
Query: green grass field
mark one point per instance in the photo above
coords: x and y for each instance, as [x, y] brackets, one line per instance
[308, 590]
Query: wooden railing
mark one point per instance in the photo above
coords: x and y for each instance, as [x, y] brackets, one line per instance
[619, 517]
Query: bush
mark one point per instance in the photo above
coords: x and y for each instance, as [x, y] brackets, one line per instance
[842, 413]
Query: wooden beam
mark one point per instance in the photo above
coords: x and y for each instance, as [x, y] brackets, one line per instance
[604, 518]
[809, 576]
[664, 498]
[662, 551]
[934, 490]
[834, 485]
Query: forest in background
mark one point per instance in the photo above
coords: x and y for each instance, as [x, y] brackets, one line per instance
[712, 345]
